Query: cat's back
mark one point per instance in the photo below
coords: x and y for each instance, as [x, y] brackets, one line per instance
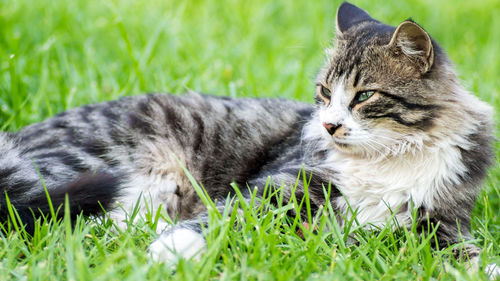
[149, 138]
[192, 120]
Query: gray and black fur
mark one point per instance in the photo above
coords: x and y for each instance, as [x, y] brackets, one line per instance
[74, 153]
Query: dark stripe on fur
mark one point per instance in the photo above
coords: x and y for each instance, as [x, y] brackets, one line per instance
[85, 195]
[66, 158]
[478, 157]
[356, 80]
[422, 124]
[95, 148]
[137, 122]
[172, 118]
[328, 74]
[199, 132]
[408, 105]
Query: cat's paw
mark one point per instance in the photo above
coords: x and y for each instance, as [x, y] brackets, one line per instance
[178, 243]
[493, 271]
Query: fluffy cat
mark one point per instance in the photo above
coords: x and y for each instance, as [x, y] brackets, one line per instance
[392, 130]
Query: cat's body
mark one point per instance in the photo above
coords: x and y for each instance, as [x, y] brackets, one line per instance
[393, 130]
[138, 143]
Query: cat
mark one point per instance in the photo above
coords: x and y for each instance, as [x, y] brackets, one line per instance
[392, 130]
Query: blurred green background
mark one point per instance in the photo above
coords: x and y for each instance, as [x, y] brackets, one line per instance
[59, 54]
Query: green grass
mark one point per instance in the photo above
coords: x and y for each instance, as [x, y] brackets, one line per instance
[56, 55]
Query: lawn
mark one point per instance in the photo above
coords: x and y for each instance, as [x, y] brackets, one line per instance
[56, 55]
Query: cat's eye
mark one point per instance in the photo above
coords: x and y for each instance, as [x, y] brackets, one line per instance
[362, 96]
[325, 92]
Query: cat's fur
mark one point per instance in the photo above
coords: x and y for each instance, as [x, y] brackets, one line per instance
[421, 140]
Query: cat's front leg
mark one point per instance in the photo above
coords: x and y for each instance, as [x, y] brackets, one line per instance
[180, 241]
[470, 254]
[449, 233]
[183, 240]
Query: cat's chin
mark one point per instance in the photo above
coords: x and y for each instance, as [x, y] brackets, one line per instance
[344, 147]
[352, 149]
[349, 150]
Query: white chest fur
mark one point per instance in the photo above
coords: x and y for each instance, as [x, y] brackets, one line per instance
[377, 188]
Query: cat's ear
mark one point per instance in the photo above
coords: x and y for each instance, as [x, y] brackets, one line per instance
[349, 15]
[413, 41]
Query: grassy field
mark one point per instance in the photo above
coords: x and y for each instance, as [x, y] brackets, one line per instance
[56, 55]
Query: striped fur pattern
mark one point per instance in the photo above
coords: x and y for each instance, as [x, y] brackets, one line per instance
[392, 128]
[134, 145]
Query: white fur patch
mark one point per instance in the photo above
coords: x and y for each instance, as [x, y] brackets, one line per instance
[376, 187]
[150, 192]
[493, 271]
[180, 243]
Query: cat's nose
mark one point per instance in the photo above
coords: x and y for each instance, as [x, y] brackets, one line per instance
[331, 128]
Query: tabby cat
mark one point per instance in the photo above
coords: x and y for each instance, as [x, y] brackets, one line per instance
[392, 130]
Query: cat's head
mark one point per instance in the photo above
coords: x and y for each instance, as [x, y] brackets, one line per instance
[386, 89]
